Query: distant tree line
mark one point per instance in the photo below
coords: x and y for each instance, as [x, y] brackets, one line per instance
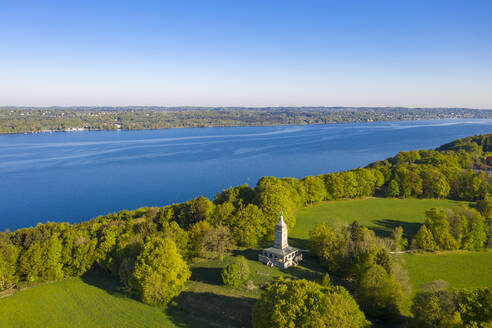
[25, 120]
[148, 248]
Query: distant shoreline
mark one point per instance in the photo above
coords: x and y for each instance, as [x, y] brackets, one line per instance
[48, 120]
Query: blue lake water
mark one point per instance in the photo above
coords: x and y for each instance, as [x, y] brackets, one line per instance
[74, 176]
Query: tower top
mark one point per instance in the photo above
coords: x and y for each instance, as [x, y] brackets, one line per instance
[280, 240]
[281, 220]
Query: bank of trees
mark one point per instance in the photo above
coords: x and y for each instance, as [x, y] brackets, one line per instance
[449, 230]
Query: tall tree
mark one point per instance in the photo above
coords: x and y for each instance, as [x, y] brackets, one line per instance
[160, 271]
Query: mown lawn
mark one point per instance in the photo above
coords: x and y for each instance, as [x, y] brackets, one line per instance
[460, 268]
[379, 214]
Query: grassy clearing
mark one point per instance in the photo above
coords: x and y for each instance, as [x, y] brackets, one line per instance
[92, 301]
[460, 268]
[379, 214]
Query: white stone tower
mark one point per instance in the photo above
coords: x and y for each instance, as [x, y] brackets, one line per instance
[280, 240]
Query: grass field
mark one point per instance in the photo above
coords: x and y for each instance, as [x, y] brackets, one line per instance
[379, 214]
[461, 269]
[92, 301]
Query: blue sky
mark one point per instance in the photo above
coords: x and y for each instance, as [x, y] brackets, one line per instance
[246, 53]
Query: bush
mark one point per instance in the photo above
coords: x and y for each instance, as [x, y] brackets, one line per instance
[231, 276]
[236, 273]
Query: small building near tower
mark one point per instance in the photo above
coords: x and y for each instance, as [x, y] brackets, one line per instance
[281, 254]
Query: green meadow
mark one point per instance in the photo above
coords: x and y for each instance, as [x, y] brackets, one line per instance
[379, 214]
[460, 268]
[91, 301]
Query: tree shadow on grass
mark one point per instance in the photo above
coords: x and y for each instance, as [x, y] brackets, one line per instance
[191, 309]
[249, 253]
[299, 243]
[103, 280]
[409, 228]
[207, 275]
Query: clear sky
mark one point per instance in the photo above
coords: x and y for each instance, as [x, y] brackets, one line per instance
[246, 53]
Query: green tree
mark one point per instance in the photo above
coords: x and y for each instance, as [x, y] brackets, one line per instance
[424, 239]
[393, 189]
[397, 236]
[160, 271]
[8, 262]
[52, 260]
[315, 189]
[197, 209]
[379, 294]
[31, 262]
[249, 226]
[303, 303]
[327, 244]
[216, 243]
[434, 305]
[475, 306]
[196, 234]
[438, 225]
[173, 231]
[476, 236]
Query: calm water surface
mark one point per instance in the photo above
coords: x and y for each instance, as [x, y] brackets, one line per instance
[73, 176]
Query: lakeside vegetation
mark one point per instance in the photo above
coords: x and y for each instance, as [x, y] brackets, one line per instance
[154, 251]
[30, 120]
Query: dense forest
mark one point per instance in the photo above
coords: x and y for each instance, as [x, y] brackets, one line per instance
[149, 249]
[26, 120]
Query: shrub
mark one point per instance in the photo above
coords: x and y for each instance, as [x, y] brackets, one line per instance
[231, 276]
[236, 273]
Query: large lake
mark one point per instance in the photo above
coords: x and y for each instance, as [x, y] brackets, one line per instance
[74, 176]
